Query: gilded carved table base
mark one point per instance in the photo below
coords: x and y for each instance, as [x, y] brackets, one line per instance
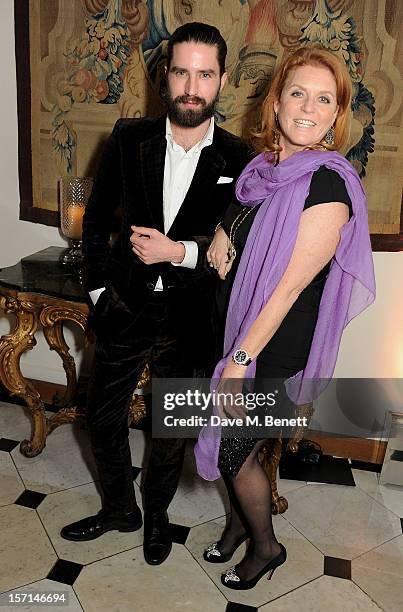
[52, 318]
[12, 346]
[30, 311]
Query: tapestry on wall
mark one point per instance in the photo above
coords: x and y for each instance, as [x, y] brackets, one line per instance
[93, 61]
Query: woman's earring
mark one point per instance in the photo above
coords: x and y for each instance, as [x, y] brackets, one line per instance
[276, 129]
[329, 138]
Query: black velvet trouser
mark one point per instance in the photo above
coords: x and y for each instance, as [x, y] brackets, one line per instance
[124, 345]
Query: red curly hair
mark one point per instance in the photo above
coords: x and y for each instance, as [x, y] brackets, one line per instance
[265, 138]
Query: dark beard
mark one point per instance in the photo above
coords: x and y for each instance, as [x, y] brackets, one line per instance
[189, 118]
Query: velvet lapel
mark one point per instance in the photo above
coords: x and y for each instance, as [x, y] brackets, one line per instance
[152, 162]
[210, 167]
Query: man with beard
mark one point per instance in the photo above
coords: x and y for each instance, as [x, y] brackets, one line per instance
[172, 178]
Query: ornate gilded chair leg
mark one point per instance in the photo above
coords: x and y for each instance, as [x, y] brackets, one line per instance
[137, 409]
[51, 318]
[305, 410]
[34, 446]
[63, 416]
[270, 462]
[12, 346]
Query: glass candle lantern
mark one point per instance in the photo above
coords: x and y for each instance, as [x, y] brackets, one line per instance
[74, 194]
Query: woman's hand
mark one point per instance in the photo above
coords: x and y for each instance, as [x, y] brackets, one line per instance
[231, 388]
[217, 254]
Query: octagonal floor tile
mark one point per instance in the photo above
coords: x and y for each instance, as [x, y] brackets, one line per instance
[64, 507]
[325, 593]
[304, 562]
[390, 496]
[26, 553]
[379, 573]
[66, 461]
[11, 483]
[341, 521]
[15, 422]
[125, 582]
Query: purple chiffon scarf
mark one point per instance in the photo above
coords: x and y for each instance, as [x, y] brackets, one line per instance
[349, 289]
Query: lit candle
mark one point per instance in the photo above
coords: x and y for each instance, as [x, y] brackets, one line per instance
[74, 229]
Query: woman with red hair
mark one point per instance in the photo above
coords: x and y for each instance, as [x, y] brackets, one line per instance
[296, 265]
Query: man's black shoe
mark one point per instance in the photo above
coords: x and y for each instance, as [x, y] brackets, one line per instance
[157, 538]
[92, 527]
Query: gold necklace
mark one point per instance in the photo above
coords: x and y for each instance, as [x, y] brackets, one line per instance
[231, 254]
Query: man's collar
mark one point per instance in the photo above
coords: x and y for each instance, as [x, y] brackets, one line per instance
[204, 142]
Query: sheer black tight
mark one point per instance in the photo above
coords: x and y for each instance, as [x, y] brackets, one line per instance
[250, 498]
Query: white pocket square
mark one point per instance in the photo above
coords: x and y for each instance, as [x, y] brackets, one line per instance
[225, 179]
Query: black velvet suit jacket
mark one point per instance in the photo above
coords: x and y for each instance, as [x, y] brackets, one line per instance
[130, 178]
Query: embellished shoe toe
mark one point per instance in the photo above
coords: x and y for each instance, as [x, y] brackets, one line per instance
[231, 579]
[213, 554]
[230, 576]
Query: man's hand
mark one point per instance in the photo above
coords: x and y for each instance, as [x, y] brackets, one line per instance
[217, 254]
[151, 246]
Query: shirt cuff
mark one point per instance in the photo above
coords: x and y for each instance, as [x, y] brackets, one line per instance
[191, 254]
[94, 295]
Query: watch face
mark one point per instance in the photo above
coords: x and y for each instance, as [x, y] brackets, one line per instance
[240, 356]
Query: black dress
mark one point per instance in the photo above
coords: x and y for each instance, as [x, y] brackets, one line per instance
[287, 351]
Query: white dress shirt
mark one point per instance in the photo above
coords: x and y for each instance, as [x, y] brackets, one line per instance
[179, 169]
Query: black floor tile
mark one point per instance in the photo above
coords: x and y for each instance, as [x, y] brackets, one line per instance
[136, 471]
[65, 572]
[30, 499]
[365, 465]
[340, 568]
[232, 606]
[8, 445]
[329, 470]
[179, 533]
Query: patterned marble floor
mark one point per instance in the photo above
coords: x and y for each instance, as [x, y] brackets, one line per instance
[345, 544]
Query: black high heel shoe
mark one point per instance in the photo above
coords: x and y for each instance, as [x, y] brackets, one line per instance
[212, 554]
[231, 580]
